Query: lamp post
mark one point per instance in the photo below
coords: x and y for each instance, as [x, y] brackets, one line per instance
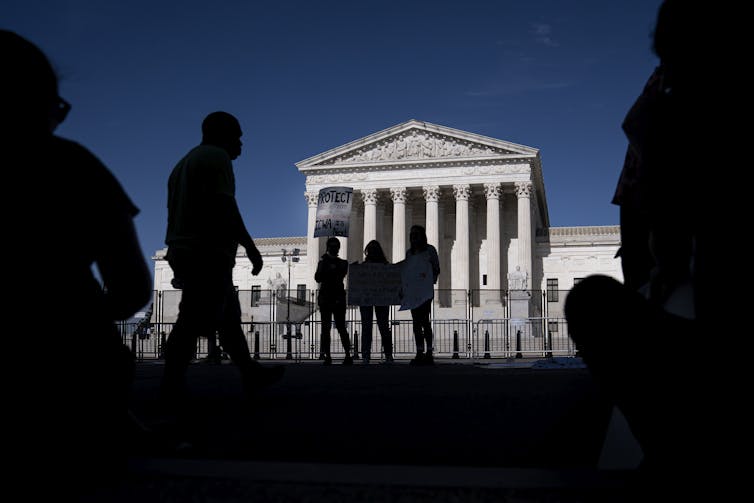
[288, 258]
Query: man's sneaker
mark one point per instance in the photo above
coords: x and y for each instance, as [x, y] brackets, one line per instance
[328, 360]
[348, 360]
[418, 360]
[428, 360]
[388, 360]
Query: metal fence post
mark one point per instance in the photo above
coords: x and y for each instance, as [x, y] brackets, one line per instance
[288, 344]
[256, 345]
[455, 345]
[518, 343]
[163, 338]
[487, 344]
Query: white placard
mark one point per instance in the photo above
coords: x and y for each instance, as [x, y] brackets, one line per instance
[416, 279]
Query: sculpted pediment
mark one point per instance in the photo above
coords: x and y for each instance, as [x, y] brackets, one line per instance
[416, 144]
[416, 141]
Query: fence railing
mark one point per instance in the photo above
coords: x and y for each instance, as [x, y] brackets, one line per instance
[470, 325]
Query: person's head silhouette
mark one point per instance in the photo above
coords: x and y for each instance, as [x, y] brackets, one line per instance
[333, 246]
[373, 251]
[28, 90]
[418, 238]
[222, 130]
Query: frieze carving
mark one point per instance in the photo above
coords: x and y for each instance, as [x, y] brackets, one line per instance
[369, 196]
[462, 192]
[416, 144]
[336, 178]
[398, 194]
[524, 189]
[493, 190]
[431, 193]
[494, 169]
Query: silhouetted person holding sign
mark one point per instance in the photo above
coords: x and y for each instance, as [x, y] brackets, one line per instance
[68, 425]
[204, 231]
[374, 254]
[331, 271]
[425, 252]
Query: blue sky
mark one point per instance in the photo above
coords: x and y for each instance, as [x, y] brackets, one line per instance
[307, 76]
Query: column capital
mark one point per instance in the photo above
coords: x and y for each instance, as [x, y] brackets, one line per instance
[311, 198]
[398, 194]
[462, 192]
[431, 193]
[493, 190]
[369, 196]
[524, 189]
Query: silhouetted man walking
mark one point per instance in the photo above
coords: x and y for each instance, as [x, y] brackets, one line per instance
[204, 230]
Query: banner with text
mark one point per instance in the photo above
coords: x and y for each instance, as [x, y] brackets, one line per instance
[333, 212]
[372, 284]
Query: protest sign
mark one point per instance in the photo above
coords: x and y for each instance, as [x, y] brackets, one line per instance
[417, 282]
[333, 211]
[371, 284]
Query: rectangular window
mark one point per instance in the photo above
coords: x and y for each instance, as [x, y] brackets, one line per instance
[256, 295]
[552, 326]
[484, 279]
[552, 290]
[301, 293]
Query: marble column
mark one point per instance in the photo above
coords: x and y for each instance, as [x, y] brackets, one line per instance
[399, 223]
[460, 280]
[370, 214]
[409, 218]
[432, 196]
[345, 249]
[432, 220]
[312, 243]
[492, 192]
[383, 218]
[524, 192]
[356, 234]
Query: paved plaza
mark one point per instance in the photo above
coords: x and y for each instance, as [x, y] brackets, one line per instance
[509, 430]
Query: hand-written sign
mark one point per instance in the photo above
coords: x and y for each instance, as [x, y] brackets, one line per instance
[372, 284]
[333, 211]
[416, 278]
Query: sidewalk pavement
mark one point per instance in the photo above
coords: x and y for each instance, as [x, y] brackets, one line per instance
[500, 431]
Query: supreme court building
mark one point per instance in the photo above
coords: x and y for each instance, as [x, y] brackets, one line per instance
[482, 201]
